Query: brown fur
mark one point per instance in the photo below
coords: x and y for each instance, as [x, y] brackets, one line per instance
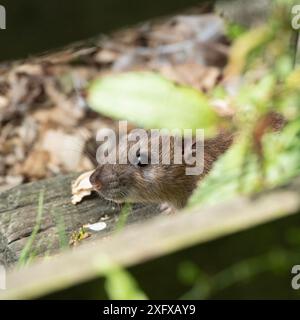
[158, 183]
[155, 183]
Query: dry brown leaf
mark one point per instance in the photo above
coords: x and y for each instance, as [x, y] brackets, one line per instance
[65, 149]
[42, 105]
[106, 56]
[81, 187]
[192, 74]
[36, 164]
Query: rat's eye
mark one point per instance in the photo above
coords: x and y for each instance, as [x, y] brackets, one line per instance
[142, 159]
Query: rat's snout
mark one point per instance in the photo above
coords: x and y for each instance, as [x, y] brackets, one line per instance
[95, 179]
[106, 182]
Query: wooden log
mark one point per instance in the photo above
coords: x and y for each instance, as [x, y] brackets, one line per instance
[18, 216]
[158, 237]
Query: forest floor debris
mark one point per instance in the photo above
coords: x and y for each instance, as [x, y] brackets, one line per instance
[45, 123]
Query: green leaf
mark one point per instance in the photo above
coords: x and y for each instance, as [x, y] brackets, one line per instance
[151, 101]
[227, 177]
[238, 171]
[120, 285]
[282, 154]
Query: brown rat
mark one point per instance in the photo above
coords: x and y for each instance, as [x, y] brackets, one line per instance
[154, 183]
[167, 183]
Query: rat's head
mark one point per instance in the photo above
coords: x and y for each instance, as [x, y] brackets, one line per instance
[146, 177]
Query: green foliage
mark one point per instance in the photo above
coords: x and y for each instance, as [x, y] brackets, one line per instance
[262, 58]
[227, 179]
[242, 171]
[26, 254]
[61, 230]
[126, 210]
[152, 101]
[234, 30]
[119, 283]
[269, 84]
[277, 261]
[282, 154]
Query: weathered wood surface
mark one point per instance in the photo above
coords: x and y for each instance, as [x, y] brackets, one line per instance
[19, 207]
[157, 237]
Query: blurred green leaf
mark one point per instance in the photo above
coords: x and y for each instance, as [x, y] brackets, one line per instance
[239, 170]
[234, 30]
[188, 272]
[282, 154]
[243, 46]
[224, 181]
[120, 285]
[125, 212]
[149, 100]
